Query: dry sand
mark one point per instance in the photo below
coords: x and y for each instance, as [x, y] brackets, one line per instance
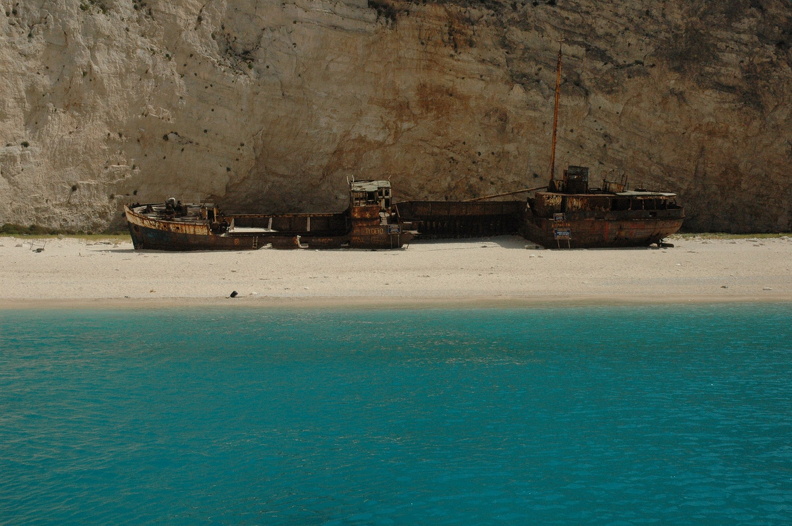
[499, 271]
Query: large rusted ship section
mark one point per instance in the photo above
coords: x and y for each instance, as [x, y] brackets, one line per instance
[575, 216]
[369, 222]
[569, 214]
[375, 221]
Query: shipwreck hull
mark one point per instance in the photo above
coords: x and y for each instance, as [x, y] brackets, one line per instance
[601, 219]
[460, 219]
[144, 238]
[599, 233]
[360, 228]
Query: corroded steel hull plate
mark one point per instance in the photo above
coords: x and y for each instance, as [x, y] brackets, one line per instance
[153, 234]
[460, 219]
[599, 233]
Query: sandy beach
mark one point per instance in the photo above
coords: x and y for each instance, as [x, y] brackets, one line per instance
[501, 271]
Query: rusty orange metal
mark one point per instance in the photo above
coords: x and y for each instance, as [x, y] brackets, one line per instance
[369, 222]
[591, 218]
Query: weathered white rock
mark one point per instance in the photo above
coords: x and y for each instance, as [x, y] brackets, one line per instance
[272, 105]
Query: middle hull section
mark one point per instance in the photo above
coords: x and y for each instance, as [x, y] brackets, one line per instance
[459, 219]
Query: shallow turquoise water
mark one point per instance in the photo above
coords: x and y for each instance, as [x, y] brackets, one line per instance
[575, 415]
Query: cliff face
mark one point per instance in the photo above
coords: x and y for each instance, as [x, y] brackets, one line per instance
[264, 105]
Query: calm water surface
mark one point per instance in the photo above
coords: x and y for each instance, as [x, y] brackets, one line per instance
[575, 415]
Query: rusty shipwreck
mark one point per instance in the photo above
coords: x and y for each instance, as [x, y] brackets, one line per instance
[566, 213]
[569, 213]
[572, 215]
[369, 222]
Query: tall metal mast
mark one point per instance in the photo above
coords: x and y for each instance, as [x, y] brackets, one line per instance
[555, 116]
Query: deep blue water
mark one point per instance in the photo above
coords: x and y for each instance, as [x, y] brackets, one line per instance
[569, 415]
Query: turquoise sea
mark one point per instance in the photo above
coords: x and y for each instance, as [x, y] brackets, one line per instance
[673, 414]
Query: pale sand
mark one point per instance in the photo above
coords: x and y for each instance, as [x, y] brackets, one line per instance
[502, 271]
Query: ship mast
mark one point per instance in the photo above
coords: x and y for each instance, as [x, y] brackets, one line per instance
[555, 116]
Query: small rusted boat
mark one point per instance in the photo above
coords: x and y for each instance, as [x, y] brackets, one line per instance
[569, 214]
[369, 222]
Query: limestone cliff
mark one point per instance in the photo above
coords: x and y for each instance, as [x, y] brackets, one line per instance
[265, 105]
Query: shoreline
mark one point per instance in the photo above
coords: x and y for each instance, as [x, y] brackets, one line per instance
[500, 272]
[375, 303]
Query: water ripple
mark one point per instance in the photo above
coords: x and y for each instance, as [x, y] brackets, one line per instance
[550, 416]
